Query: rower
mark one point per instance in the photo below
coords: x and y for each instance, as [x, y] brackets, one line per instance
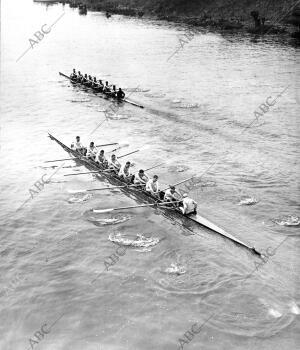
[114, 164]
[140, 178]
[152, 186]
[95, 84]
[78, 146]
[120, 94]
[189, 205]
[85, 79]
[92, 151]
[125, 173]
[100, 85]
[79, 77]
[106, 88]
[114, 91]
[171, 195]
[73, 76]
[100, 158]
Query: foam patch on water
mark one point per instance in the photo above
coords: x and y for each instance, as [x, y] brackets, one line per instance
[113, 220]
[248, 201]
[175, 269]
[294, 308]
[275, 313]
[188, 105]
[289, 220]
[158, 95]
[78, 199]
[139, 241]
[179, 169]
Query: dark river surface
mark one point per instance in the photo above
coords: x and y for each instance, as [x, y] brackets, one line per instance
[198, 119]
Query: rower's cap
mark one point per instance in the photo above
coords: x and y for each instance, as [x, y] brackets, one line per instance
[102, 151]
[128, 163]
[172, 187]
[184, 195]
[92, 143]
[155, 177]
[77, 137]
[141, 171]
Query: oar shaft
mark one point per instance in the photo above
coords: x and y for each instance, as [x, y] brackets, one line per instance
[87, 172]
[127, 154]
[108, 144]
[153, 167]
[59, 160]
[180, 182]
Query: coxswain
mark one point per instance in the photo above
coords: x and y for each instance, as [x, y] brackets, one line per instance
[100, 158]
[92, 151]
[78, 146]
[152, 186]
[189, 205]
[114, 164]
[120, 94]
[171, 195]
[125, 172]
[73, 76]
[140, 178]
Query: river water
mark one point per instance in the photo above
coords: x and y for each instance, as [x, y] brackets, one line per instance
[198, 119]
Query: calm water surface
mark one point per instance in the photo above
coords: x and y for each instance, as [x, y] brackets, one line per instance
[197, 109]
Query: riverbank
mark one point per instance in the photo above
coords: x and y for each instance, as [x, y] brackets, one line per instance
[267, 17]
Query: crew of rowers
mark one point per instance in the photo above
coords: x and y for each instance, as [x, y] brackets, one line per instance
[88, 80]
[139, 179]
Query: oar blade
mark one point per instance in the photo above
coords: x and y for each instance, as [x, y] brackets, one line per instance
[77, 191]
[101, 211]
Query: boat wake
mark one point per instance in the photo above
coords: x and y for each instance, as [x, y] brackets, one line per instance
[140, 241]
[79, 100]
[289, 220]
[113, 220]
[80, 199]
[129, 89]
[248, 201]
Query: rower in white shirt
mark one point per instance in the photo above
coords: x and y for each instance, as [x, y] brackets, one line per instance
[171, 195]
[92, 151]
[125, 172]
[152, 186]
[100, 158]
[114, 164]
[140, 178]
[78, 146]
[189, 205]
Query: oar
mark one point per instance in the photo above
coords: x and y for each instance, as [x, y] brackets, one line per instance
[155, 166]
[102, 188]
[60, 160]
[108, 144]
[131, 207]
[127, 154]
[133, 103]
[180, 182]
[87, 172]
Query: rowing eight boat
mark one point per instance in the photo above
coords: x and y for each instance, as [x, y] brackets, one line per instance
[144, 196]
[101, 93]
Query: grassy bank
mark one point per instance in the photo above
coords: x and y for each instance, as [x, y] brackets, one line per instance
[258, 16]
